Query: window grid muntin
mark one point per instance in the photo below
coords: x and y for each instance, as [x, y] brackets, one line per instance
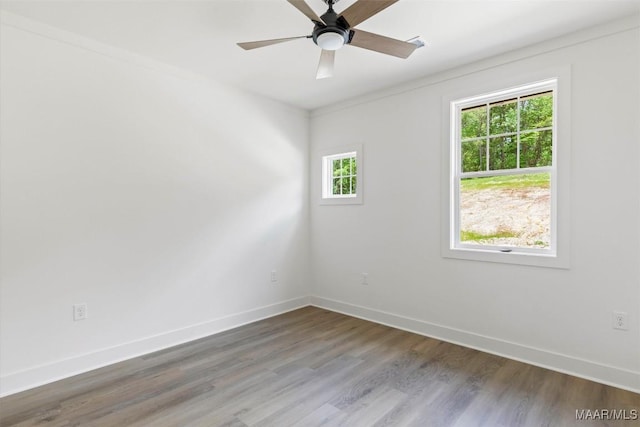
[518, 97]
[342, 176]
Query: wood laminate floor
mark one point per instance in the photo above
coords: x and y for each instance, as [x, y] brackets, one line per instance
[313, 367]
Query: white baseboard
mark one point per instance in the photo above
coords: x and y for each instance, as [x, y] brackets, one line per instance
[44, 374]
[610, 375]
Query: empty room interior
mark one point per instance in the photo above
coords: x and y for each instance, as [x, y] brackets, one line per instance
[319, 212]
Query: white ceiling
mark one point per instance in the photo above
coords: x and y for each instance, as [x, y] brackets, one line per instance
[200, 36]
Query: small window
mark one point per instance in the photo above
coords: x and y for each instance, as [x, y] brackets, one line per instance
[341, 175]
[504, 171]
[341, 182]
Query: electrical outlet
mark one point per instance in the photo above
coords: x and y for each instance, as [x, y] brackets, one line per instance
[274, 276]
[79, 311]
[365, 279]
[620, 320]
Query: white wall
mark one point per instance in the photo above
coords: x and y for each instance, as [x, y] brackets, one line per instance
[159, 199]
[551, 317]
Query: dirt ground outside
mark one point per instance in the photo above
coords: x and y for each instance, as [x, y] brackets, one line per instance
[522, 214]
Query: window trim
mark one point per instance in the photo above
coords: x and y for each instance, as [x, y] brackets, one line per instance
[558, 256]
[326, 181]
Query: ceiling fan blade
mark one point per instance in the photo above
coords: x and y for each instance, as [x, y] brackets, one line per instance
[382, 44]
[263, 43]
[362, 10]
[325, 67]
[303, 7]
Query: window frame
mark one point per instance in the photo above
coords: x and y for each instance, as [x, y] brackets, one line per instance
[326, 175]
[557, 256]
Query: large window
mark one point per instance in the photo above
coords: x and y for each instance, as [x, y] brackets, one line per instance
[504, 171]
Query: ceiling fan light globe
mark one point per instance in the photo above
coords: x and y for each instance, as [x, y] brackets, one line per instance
[330, 40]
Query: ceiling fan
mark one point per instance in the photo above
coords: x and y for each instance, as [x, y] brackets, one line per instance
[333, 31]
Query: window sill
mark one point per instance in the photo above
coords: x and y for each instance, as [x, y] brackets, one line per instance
[513, 257]
[341, 201]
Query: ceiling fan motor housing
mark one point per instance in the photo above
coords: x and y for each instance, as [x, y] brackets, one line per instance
[333, 28]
